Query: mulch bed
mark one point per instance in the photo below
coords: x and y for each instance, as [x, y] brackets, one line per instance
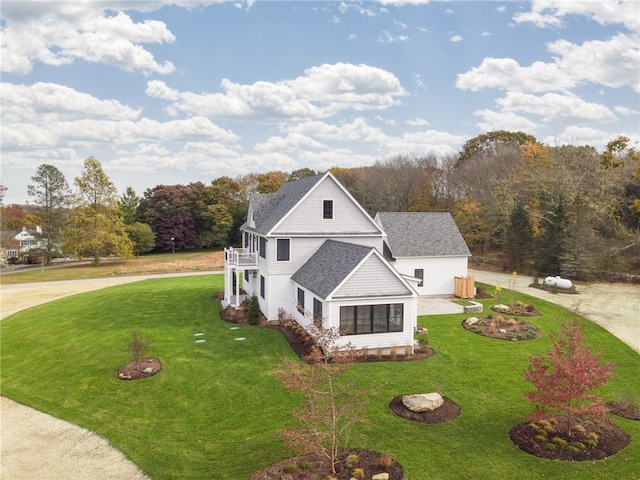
[146, 367]
[311, 467]
[523, 331]
[611, 439]
[624, 410]
[448, 411]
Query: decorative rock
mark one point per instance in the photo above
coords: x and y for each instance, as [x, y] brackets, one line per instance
[500, 308]
[502, 330]
[147, 370]
[472, 320]
[381, 476]
[424, 402]
[124, 376]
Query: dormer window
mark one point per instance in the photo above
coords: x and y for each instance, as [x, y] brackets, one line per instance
[327, 209]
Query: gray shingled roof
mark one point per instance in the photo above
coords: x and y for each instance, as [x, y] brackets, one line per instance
[329, 266]
[422, 234]
[269, 209]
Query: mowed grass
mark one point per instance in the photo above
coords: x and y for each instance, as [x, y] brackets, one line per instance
[215, 410]
[148, 264]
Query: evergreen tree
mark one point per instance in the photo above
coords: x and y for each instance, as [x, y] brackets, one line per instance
[519, 238]
[129, 202]
[553, 246]
[51, 195]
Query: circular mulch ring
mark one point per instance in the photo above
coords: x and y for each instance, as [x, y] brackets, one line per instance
[519, 332]
[146, 367]
[312, 467]
[448, 411]
[611, 439]
[624, 410]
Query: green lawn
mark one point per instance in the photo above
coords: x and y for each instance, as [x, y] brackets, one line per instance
[215, 410]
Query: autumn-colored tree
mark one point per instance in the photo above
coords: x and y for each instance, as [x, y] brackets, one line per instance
[328, 415]
[565, 377]
[487, 143]
[221, 223]
[95, 227]
[470, 217]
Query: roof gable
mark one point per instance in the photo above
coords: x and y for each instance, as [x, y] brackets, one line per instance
[337, 265]
[297, 206]
[422, 234]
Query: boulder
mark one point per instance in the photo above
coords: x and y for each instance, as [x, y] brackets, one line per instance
[472, 320]
[147, 370]
[500, 308]
[423, 402]
[381, 476]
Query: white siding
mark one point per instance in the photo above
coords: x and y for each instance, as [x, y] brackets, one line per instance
[439, 272]
[307, 217]
[373, 278]
[278, 295]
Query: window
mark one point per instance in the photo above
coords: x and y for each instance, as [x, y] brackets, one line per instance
[263, 247]
[262, 286]
[246, 240]
[363, 319]
[327, 209]
[419, 273]
[317, 309]
[300, 305]
[246, 275]
[283, 247]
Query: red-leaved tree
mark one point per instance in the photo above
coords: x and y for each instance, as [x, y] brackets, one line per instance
[566, 375]
[332, 405]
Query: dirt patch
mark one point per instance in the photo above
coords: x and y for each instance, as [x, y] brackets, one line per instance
[146, 367]
[512, 329]
[625, 410]
[312, 467]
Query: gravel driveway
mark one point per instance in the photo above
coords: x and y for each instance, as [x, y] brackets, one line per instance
[67, 452]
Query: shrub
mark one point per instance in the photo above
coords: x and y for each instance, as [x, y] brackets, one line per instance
[593, 436]
[580, 445]
[253, 314]
[289, 468]
[572, 449]
[579, 429]
[423, 341]
[358, 473]
[541, 438]
[352, 459]
[561, 442]
[386, 461]
[306, 465]
[549, 446]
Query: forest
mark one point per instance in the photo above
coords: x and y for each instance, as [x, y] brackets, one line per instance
[520, 204]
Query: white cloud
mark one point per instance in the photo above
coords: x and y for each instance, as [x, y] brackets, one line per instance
[60, 33]
[321, 92]
[388, 37]
[492, 120]
[455, 39]
[292, 142]
[417, 122]
[550, 12]
[623, 110]
[555, 108]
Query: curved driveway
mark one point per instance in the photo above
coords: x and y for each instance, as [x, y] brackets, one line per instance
[65, 451]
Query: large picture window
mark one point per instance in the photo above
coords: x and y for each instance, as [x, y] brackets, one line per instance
[283, 250]
[363, 319]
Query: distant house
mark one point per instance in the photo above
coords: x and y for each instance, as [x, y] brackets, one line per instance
[23, 241]
[312, 253]
[427, 246]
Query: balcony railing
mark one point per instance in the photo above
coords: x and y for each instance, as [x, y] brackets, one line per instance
[240, 257]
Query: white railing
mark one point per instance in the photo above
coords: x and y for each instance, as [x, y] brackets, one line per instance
[240, 257]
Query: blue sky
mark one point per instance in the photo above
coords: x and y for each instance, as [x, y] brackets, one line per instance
[164, 92]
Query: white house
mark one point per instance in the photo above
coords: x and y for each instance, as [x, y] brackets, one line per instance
[311, 252]
[427, 246]
[23, 241]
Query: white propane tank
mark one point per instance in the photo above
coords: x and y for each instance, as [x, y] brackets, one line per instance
[558, 282]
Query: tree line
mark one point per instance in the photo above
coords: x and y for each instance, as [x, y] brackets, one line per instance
[562, 210]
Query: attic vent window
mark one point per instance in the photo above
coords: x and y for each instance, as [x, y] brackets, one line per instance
[327, 209]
